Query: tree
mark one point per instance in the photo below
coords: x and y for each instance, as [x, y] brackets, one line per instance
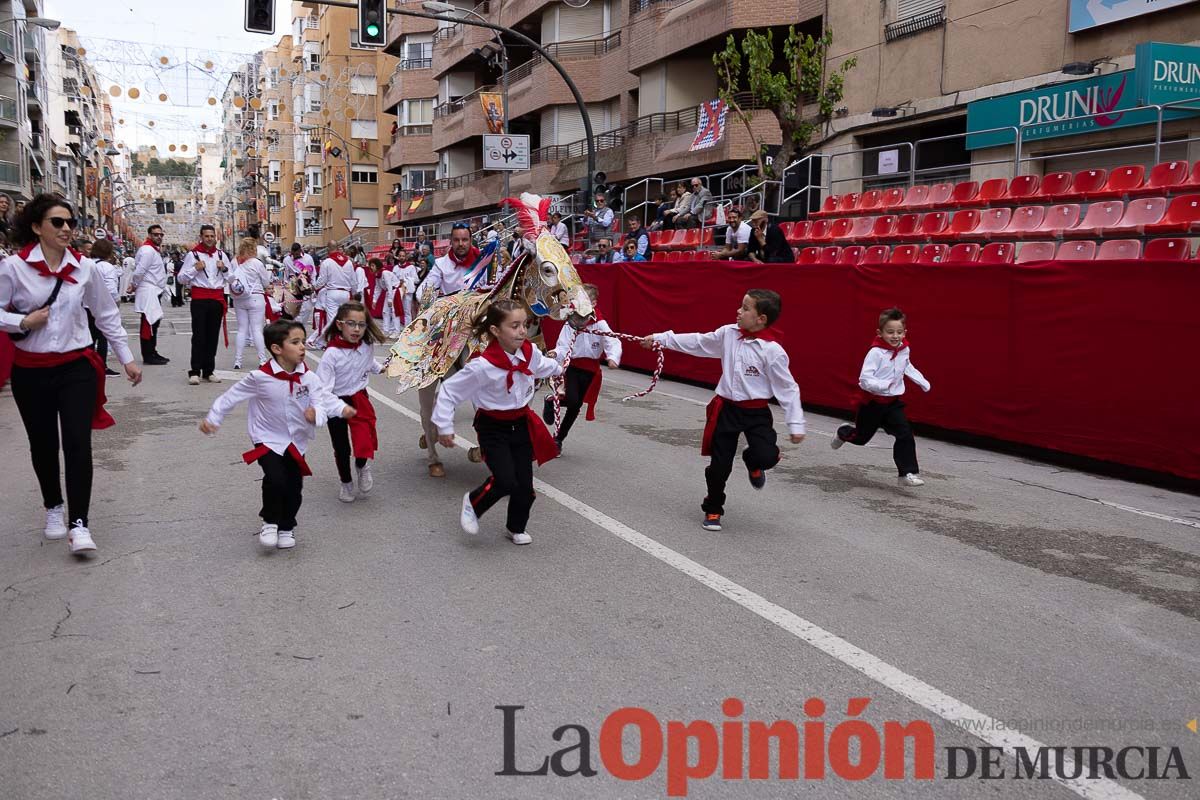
[806, 83]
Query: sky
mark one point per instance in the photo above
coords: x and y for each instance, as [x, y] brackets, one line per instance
[126, 42]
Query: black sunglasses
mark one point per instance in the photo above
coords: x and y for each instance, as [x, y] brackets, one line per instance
[58, 222]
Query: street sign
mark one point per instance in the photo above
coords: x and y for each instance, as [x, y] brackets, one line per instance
[506, 151]
[351, 223]
[100, 233]
[268, 237]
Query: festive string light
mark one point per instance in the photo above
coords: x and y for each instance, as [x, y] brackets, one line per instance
[134, 93]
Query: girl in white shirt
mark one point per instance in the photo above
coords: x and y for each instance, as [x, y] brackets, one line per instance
[250, 303]
[499, 383]
[348, 363]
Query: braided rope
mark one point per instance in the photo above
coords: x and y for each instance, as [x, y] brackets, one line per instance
[555, 383]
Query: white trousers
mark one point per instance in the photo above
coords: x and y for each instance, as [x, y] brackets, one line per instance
[331, 300]
[408, 306]
[250, 312]
[389, 313]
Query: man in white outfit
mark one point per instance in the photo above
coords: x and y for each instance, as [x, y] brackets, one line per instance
[335, 285]
[297, 263]
[148, 283]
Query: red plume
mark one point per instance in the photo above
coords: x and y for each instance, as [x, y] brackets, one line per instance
[532, 219]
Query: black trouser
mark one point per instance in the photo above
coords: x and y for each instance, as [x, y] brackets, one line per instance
[206, 330]
[149, 345]
[508, 452]
[889, 416]
[177, 293]
[577, 382]
[339, 434]
[98, 339]
[48, 397]
[282, 488]
[761, 451]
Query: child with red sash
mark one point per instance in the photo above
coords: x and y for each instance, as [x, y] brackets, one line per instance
[881, 385]
[348, 362]
[754, 368]
[583, 377]
[287, 402]
[499, 382]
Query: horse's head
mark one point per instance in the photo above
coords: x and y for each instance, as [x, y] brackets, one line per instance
[552, 287]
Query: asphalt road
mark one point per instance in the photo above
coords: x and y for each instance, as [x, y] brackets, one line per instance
[1005, 603]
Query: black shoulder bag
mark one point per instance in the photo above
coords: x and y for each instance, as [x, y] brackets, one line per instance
[16, 337]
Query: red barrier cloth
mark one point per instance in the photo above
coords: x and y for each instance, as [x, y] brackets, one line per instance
[1087, 358]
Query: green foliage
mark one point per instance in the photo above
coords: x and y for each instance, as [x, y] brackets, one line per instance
[170, 167]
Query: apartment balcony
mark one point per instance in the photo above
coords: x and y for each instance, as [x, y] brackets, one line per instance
[10, 176]
[34, 45]
[412, 144]
[8, 112]
[458, 120]
[413, 78]
[514, 11]
[399, 27]
[596, 65]
[8, 45]
[455, 43]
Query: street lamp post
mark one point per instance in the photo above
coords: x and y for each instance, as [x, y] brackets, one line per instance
[349, 167]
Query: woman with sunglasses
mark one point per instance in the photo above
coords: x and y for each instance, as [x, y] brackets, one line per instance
[58, 379]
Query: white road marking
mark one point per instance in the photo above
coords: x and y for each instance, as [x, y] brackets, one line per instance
[954, 711]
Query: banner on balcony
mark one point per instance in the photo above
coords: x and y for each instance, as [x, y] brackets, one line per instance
[90, 180]
[240, 218]
[415, 203]
[339, 182]
[493, 110]
[710, 126]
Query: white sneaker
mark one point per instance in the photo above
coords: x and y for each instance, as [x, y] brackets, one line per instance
[56, 522]
[193, 380]
[468, 520]
[287, 540]
[909, 480]
[237, 365]
[520, 538]
[366, 481]
[838, 441]
[80, 539]
[346, 495]
[212, 379]
[269, 535]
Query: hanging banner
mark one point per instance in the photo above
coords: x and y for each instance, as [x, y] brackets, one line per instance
[493, 110]
[106, 205]
[415, 203]
[1084, 14]
[240, 219]
[339, 182]
[90, 180]
[710, 126]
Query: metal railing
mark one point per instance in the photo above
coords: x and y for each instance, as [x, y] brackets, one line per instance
[415, 63]
[10, 172]
[637, 6]
[454, 106]
[8, 44]
[459, 181]
[411, 130]
[8, 109]
[579, 48]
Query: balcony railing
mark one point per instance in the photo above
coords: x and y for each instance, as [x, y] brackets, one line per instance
[455, 106]
[10, 172]
[415, 63]
[584, 48]
[8, 109]
[411, 130]
[450, 31]
[459, 181]
[636, 6]
[8, 45]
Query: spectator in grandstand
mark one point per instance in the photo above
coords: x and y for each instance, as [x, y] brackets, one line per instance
[683, 202]
[666, 202]
[600, 219]
[637, 234]
[737, 236]
[701, 198]
[603, 254]
[628, 252]
[768, 244]
[558, 229]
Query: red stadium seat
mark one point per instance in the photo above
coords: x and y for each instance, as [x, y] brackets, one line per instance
[1167, 250]
[940, 194]
[1023, 187]
[1057, 219]
[883, 226]
[877, 254]
[797, 233]
[840, 228]
[933, 254]
[847, 203]
[1183, 216]
[1088, 182]
[893, 198]
[998, 253]
[1119, 250]
[964, 252]
[1099, 216]
[809, 255]
[1195, 179]
[828, 206]
[861, 228]
[1166, 177]
[676, 240]
[906, 227]
[706, 238]
[906, 254]
[851, 256]
[1055, 186]
[870, 200]
[818, 231]
[1084, 250]
[829, 255]
[656, 237]
[962, 225]
[1138, 214]
[659, 255]
[1025, 220]
[916, 197]
[992, 221]
[786, 227]
[1035, 251]
[703, 255]
[966, 194]
[679, 255]
[691, 239]
[933, 224]
[1121, 181]
[993, 191]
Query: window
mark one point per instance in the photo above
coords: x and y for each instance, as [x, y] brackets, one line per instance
[364, 84]
[912, 16]
[314, 143]
[363, 129]
[272, 140]
[418, 178]
[312, 177]
[356, 44]
[273, 201]
[273, 110]
[273, 171]
[417, 112]
[364, 173]
[367, 217]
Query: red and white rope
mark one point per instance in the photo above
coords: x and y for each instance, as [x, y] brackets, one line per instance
[556, 398]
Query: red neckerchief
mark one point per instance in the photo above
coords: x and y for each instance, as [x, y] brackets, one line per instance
[338, 258]
[497, 356]
[341, 344]
[44, 269]
[879, 342]
[152, 244]
[769, 334]
[471, 257]
[293, 378]
[202, 248]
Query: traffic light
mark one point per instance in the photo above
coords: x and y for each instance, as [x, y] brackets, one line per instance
[260, 16]
[372, 22]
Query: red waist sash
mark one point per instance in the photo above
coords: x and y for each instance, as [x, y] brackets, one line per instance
[591, 365]
[714, 410]
[544, 448]
[101, 419]
[201, 293]
[260, 450]
[863, 397]
[364, 438]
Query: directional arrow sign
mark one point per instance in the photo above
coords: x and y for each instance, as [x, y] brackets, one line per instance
[351, 223]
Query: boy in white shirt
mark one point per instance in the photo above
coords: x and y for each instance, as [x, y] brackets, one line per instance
[882, 383]
[287, 402]
[754, 368]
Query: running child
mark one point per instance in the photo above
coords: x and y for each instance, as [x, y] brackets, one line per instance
[348, 363]
[286, 403]
[499, 382]
[583, 376]
[882, 383]
[754, 368]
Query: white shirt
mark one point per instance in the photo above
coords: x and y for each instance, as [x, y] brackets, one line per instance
[559, 231]
[751, 369]
[388, 281]
[883, 375]
[294, 266]
[24, 289]
[603, 217]
[407, 275]
[587, 345]
[446, 277]
[112, 277]
[336, 276]
[253, 275]
[203, 271]
[275, 416]
[127, 267]
[346, 370]
[360, 280]
[485, 386]
[739, 236]
[148, 268]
